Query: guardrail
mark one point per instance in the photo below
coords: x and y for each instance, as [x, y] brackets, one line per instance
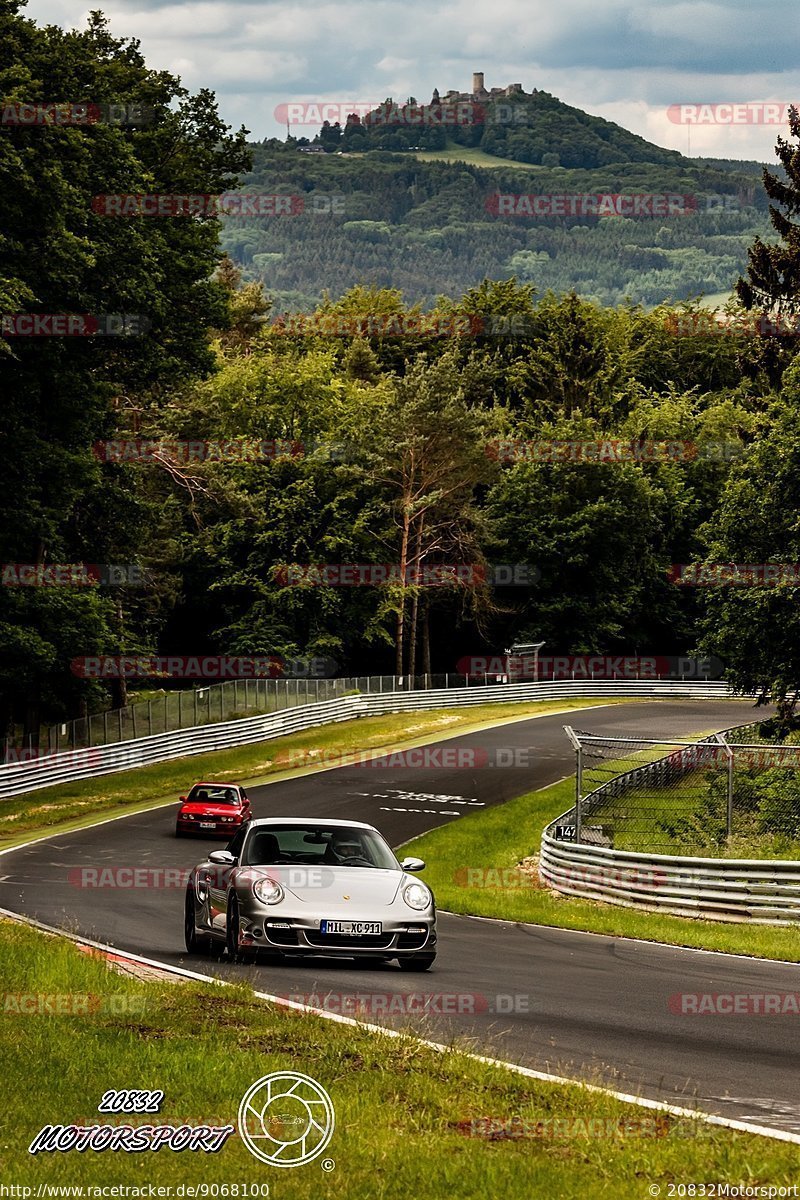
[16, 778]
[762, 891]
[766, 891]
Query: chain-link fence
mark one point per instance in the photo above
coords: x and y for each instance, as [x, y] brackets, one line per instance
[187, 708]
[736, 793]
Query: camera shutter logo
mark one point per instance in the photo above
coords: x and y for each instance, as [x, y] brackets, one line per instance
[286, 1119]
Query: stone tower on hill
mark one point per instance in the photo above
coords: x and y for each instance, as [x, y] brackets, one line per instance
[480, 92]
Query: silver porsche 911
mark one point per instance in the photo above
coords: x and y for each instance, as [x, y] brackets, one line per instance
[289, 886]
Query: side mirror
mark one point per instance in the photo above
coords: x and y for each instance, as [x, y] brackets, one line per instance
[182, 800]
[413, 864]
[223, 858]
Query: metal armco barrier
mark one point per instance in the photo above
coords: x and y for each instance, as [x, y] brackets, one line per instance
[16, 778]
[762, 891]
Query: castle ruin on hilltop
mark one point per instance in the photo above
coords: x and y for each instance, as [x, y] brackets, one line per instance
[479, 92]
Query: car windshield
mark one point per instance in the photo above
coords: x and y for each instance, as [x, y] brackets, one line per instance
[318, 845]
[204, 793]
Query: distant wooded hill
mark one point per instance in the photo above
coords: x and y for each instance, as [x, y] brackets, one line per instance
[427, 221]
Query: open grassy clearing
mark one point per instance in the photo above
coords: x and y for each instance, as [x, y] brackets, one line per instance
[406, 1115]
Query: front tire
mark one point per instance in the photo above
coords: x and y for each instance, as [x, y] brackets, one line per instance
[196, 943]
[235, 951]
[420, 962]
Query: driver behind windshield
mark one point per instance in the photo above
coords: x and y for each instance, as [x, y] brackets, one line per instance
[341, 847]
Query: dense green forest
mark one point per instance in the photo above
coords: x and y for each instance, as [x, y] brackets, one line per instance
[392, 220]
[382, 437]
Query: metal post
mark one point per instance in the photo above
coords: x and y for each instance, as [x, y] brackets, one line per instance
[105, 727]
[149, 718]
[570, 732]
[729, 804]
[133, 720]
[578, 793]
[119, 716]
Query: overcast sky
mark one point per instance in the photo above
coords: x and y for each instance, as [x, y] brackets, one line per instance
[626, 60]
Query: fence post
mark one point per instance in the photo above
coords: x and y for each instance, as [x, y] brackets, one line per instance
[729, 806]
[578, 793]
[570, 732]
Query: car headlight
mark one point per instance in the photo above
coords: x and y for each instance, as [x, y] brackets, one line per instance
[417, 896]
[268, 891]
[187, 816]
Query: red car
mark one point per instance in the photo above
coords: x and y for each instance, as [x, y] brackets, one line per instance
[213, 809]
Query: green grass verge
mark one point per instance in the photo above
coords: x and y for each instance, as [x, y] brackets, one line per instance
[73, 805]
[498, 838]
[401, 1108]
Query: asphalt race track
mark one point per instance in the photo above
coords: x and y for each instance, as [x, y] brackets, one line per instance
[598, 1008]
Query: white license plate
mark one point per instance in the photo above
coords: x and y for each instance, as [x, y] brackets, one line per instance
[350, 928]
[208, 825]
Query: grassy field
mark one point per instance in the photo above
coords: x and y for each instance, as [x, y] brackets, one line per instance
[471, 868]
[73, 805]
[409, 1121]
[474, 156]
